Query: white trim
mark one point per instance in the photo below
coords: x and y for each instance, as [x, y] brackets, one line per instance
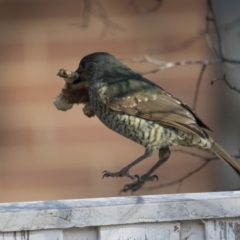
[175, 216]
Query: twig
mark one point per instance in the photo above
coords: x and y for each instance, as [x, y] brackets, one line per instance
[221, 49]
[197, 89]
[230, 63]
[180, 180]
[207, 160]
[164, 65]
[195, 154]
[224, 79]
[209, 20]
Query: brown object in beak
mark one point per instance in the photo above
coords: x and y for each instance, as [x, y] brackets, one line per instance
[76, 94]
[73, 93]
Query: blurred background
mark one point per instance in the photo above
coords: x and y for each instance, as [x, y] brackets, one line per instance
[47, 154]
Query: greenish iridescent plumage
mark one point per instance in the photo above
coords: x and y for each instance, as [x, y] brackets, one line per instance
[142, 111]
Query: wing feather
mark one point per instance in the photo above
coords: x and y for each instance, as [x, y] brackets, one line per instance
[154, 104]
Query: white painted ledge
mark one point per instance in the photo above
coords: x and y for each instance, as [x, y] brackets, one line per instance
[176, 216]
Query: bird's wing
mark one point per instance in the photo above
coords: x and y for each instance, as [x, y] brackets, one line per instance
[148, 101]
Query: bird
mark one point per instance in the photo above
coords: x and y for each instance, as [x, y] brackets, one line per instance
[142, 111]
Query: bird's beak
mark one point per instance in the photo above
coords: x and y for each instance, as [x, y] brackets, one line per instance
[68, 76]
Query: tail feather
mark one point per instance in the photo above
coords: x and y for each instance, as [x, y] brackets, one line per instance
[224, 155]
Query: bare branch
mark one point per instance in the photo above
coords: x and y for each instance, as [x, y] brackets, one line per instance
[164, 65]
[197, 89]
[179, 181]
[203, 157]
[222, 59]
[221, 49]
[224, 79]
[209, 21]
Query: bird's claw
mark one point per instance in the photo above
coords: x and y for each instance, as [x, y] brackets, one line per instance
[149, 178]
[139, 183]
[132, 186]
[119, 174]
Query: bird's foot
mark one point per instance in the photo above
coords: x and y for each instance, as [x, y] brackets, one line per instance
[121, 173]
[139, 183]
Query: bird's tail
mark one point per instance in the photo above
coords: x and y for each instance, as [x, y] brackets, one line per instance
[226, 157]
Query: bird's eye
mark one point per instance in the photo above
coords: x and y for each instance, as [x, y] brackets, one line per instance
[83, 64]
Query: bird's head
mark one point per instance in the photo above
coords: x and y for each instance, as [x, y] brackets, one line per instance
[92, 67]
[98, 65]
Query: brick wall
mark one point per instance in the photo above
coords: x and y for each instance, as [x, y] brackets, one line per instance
[48, 154]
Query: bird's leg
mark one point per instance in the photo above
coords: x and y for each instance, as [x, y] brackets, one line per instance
[164, 154]
[124, 172]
